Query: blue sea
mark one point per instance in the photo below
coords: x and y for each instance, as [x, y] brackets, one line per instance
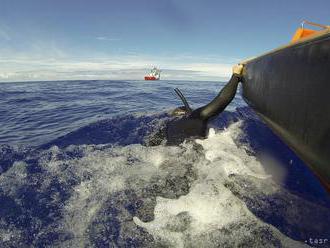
[76, 171]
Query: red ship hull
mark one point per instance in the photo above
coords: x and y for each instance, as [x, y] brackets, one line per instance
[150, 78]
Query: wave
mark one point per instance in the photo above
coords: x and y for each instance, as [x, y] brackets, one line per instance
[101, 186]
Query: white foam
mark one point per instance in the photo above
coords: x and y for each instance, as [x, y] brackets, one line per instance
[103, 172]
[13, 178]
[223, 152]
[209, 204]
[189, 221]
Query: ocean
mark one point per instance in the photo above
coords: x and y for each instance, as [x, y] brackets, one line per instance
[76, 171]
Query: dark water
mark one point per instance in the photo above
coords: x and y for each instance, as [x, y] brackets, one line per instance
[75, 172]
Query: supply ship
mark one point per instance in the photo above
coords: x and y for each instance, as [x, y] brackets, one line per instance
[153, 75]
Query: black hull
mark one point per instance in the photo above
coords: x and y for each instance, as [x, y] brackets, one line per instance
[290, 89]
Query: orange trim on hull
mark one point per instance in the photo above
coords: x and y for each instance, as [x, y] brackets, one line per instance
[301, 33]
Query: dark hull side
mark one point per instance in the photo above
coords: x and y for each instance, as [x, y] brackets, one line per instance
[290, 89]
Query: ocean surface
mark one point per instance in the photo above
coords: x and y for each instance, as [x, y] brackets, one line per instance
[76, 171]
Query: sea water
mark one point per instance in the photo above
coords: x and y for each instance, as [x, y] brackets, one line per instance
[76, 171]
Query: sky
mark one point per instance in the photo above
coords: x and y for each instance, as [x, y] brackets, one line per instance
[108, 39]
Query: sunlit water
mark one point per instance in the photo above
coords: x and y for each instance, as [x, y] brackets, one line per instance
[75, 171]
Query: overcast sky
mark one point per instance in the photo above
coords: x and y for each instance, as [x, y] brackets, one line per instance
[108, 39]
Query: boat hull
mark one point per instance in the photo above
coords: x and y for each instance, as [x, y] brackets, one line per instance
[150, 78]
[290, 90]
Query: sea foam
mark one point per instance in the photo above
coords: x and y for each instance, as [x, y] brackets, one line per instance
[172, 196]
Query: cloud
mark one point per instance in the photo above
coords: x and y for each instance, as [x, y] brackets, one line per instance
[103, 38]
[59, 66]
[46, 59]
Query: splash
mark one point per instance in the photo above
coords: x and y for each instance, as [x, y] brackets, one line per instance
[210, 215]
[109, 195]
